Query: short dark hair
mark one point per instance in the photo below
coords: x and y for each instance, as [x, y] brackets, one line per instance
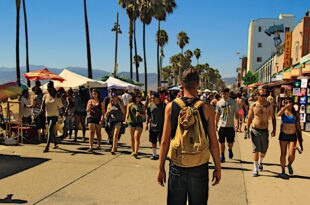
[190, 77]
[226, 90]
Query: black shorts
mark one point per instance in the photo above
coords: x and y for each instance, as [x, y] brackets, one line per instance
[155, 136]
[227, 133]
[287, 137]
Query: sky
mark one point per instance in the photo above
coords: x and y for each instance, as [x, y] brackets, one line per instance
[57, 34]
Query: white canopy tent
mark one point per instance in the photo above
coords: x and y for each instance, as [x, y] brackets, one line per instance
[114, 83]
[74, 81]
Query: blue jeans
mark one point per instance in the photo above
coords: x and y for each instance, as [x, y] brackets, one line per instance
[188, 182]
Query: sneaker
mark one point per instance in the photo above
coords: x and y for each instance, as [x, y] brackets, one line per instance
[153, 157]
[133, 154]
[222, 158]
[136, 156]
[255, 173]
[90, 150]
[113, 153]
[230, 154]
[290, 169]
[260, 167]
[45, 150]
[284, 176]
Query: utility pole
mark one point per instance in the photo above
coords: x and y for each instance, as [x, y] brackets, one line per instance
[117, 31]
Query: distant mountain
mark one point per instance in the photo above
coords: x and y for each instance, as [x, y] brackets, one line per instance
[229, 81]
[9, 74]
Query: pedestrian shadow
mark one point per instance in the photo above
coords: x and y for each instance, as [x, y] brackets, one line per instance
[13, 164]
[276, 175]
[239, 161]
[73, 152]
[8, 200]
[231, 168]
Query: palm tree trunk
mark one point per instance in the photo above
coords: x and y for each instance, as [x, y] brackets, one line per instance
[136, 52]
[145, 65]
[130, 45]
[26, 41]
[17, 41]
[89, 66]
[158, 69]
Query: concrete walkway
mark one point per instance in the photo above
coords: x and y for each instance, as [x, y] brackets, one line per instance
[72, 176]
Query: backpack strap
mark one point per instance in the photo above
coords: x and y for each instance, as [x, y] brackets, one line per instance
[198, 104]
[180, 102]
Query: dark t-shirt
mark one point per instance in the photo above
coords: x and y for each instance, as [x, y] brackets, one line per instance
[175, 114]
[156, 113]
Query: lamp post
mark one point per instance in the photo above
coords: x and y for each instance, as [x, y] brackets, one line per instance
[117, 30]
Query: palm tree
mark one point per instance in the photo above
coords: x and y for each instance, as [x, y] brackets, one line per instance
[146, 15]
[17, 41]
[26, 40]
[197, 53]
[136, 15]
[162, 39]
[89, 66]
[137, 60]
[161, 8]
[129, 6]
[182, 40]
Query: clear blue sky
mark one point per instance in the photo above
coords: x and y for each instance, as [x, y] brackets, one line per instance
[57, 36]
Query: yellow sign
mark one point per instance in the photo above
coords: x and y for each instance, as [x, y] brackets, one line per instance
[287, 52]
[287, 75]
[295, 72]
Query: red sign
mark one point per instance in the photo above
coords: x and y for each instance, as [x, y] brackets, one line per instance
[287, 50]
[306, 37]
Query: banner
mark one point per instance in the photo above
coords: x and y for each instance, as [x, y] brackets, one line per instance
[287, 51]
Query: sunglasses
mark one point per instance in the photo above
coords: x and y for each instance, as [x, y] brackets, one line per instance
[288, 102]
[263, 95]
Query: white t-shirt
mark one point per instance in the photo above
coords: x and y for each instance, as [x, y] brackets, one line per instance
[126, 98]
[25, 112]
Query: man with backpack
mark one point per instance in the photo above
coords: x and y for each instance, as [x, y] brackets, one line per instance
[226, 110]
[188, 139]
[155, 117]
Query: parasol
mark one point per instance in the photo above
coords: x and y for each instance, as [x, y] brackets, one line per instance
[10, 90]
[43, 74]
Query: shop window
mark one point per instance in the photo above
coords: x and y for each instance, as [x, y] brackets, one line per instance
[259, 45]
[287, 29]
[260, 29]
[296, 50]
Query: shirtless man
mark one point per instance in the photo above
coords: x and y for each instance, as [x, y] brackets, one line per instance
[262, 110]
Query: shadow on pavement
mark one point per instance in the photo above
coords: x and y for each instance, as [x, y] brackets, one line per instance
[72, 152]
[247, 162]
[276, 175]
[8, 200]
[13, 164]
[231, 168]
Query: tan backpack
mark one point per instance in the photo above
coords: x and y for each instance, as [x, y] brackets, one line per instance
[190, 146]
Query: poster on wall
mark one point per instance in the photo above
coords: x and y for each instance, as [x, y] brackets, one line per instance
[295, 99]
[308, 100]
[303, 91]
[308, 118]
[296, 107]
[308, 91]
[302, 109]
[303, 100]
[297, 83]
[304, 83]
[308, 109]
[302, 117]
[296, 91]
[307, 127]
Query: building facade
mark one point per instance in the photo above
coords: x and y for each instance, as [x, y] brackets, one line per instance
[264, 37]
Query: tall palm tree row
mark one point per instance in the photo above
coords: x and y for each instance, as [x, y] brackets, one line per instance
[182, 41]
[197, 53]
[26, 40]
[137, 60]
[162, 40]
[161, 9]
[146, 15]
[89, 65]
[17, 42]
